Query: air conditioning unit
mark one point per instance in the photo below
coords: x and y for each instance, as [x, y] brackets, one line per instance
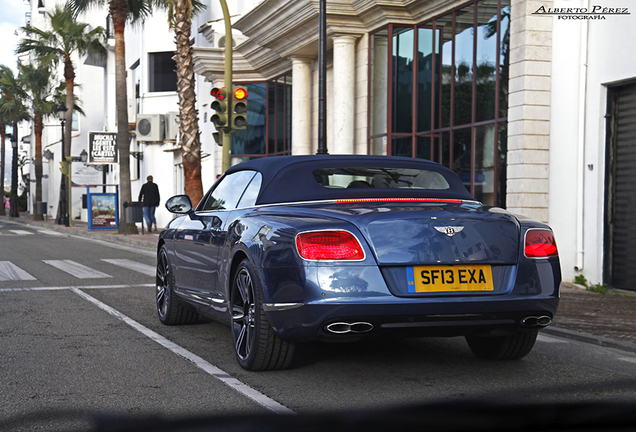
[172, 125]
[150, 127]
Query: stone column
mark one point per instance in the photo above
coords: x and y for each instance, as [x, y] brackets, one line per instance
[301, 105]
[344, 56]
[529, 110]
[380, 101]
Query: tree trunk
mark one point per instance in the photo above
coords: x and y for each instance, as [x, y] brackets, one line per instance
[188, 114]
[38, 127]
[13, 211]
[119, 12]
[3, 136]
[69, 77]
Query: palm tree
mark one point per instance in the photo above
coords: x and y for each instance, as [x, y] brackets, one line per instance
[180, 14]
[66, 38]
[121, 11]
[14, 110]
[36, 79]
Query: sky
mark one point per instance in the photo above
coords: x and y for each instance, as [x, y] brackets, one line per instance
[12, 17]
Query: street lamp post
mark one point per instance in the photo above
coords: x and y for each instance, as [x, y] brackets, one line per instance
[63, 219]
[322, 78]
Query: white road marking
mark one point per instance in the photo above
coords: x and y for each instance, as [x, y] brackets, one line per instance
[133, 265]
[22, 232]
[78, 270]
[59, 288]
[47, 232]
[11, 272]
[202, 364]
[550, 339]
[627, 359]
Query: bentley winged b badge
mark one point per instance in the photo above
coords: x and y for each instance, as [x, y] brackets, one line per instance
[449, 230]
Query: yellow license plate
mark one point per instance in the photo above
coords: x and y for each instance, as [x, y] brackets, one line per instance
[443, 278]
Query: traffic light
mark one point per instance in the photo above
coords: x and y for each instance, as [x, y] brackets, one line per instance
[65, 167]
[220, 119]
[239, 107]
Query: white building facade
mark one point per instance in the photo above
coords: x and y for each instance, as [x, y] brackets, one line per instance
[592, 152]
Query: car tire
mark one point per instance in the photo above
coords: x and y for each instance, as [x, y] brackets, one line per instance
[169, 308]
[510, 347]
[256, 346]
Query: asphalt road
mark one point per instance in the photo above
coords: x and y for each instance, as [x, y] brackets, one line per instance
[79, 332]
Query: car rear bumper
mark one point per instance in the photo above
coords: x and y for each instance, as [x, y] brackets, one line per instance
[303, 309]
[335, 321]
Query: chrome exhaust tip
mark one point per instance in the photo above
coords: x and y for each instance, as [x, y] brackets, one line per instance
[339, 328]
[361, 327]
[544, 320]
[530, 321]
[536, 321]
[343, 327]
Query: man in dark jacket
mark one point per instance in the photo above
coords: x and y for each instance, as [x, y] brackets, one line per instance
[149, 197]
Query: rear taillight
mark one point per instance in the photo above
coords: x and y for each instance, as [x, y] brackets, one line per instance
[330, 245]
[540, 243]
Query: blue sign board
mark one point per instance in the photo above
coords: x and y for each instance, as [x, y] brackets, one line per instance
[103, 210]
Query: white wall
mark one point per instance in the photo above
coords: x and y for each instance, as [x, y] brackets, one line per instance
[577, 146]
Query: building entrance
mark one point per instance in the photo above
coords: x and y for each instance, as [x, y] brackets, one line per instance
[620, 237]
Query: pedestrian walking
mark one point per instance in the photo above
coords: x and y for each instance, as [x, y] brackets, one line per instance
[149, 197]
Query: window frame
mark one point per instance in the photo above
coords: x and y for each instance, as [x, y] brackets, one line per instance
[152, 62]
[437, 129]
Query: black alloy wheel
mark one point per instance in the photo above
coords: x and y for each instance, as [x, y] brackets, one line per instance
[256, 346]
[169, 309]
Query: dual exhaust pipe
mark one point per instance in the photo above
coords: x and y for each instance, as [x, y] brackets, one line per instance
[536, 321]
[344, 328]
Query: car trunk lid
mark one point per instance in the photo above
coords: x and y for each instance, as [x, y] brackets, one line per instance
[420, 233]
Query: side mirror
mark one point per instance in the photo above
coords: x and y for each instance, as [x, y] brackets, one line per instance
[179, 204]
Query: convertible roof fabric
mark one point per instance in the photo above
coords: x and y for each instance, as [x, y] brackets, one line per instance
[291, 179]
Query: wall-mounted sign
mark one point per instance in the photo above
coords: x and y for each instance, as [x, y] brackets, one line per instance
[82, 174]
[102, 147]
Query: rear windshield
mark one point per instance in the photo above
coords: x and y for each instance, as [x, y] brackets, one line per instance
[380, 178]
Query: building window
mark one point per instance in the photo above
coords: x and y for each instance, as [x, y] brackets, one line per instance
[110, 27]
[268, 131]
[162, 72]
[444, 84]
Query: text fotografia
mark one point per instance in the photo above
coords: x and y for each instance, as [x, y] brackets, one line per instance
[596, 12]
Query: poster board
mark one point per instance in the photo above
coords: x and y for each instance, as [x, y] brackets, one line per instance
[103, 210]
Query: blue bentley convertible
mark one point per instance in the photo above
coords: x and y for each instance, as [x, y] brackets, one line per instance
[339, 248]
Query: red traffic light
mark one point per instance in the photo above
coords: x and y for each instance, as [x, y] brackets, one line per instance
[240, 93]
[217, 93]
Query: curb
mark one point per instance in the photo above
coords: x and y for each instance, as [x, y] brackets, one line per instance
[81, 232]
[590, 339]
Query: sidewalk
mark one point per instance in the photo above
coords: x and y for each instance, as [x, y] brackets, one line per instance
[601, 319]
[146, 241]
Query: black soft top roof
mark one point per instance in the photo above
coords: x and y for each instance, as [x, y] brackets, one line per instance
[291, 179]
